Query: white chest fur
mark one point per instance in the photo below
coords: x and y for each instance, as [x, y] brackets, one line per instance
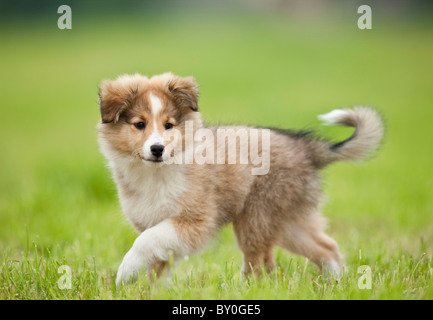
[149, 194]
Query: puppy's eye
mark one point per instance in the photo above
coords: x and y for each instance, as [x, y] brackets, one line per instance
[168, 126]
[140, 125]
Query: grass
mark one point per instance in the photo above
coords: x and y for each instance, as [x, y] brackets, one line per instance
[58, 204]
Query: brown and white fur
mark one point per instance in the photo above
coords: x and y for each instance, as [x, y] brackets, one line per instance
[177, 208]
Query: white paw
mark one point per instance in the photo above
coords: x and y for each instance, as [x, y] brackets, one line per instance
[131, 266]
[332, 269]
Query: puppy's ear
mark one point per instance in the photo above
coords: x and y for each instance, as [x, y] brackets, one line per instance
[115, 96]
[184, 92]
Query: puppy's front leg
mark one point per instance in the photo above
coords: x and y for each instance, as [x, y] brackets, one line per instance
[153, 245]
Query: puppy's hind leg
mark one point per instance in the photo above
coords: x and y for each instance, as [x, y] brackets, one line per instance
[256, 246]
[306, 237]
[255, 259]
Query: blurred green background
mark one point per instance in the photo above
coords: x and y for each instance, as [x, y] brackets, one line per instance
[267, 63]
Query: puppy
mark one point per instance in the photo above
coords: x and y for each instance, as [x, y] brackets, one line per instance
[179, 183]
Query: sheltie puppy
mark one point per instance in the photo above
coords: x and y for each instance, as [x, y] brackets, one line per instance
[179, 182]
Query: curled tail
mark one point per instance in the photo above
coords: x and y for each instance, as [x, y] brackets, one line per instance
[366, 138]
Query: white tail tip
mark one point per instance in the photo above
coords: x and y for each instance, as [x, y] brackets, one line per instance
[333, 117]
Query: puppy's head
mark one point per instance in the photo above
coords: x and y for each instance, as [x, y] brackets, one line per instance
[144, 119]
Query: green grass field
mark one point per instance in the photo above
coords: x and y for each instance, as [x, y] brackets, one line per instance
[58, 204]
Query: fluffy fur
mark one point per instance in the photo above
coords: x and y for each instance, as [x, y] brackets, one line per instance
[177, 208]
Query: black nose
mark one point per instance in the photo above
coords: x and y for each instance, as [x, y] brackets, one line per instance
[157, 150]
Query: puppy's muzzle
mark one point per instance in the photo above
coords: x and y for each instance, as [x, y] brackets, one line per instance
[157, 150]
